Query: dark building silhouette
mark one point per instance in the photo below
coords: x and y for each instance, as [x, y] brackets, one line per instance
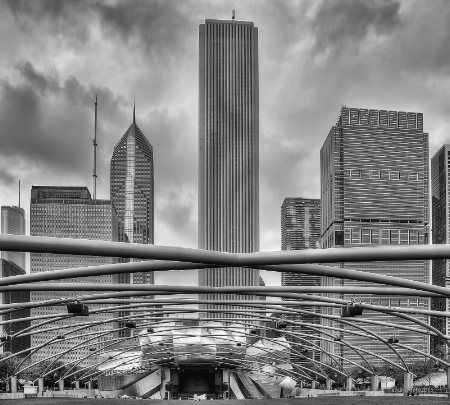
[13, 223]
[16, 344]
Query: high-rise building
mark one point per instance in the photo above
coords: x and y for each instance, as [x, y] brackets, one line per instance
[132, 188]
[13, 222]
[300, 229]
[374, 191]
[440, 192]
[228, 149]
[17, 344]
[69, 212]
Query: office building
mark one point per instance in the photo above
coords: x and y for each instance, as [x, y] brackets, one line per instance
[300, 229]
[131, 192]
[16, 344]
[13, 223]
[69, 212]
[374, 191]
[440, 166]
[228, 150]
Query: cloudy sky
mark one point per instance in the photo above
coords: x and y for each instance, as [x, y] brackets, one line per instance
[314, 56]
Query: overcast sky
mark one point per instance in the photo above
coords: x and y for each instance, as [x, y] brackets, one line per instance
[314, 56]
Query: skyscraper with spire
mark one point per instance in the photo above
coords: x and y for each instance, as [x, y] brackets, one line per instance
[131, 190]
[228, 149]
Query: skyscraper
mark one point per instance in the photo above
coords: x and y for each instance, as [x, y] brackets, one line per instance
[69, 212]
[374, 191]
[228, 149]
[8, 269]
[300, 229]
[132, 188]
[13, 222]
[440, 191]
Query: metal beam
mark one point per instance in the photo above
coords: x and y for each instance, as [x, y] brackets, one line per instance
[42, 244]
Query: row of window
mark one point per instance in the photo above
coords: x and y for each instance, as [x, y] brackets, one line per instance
[399, 119]
[384, 236]
[378, 174]
[397, 302]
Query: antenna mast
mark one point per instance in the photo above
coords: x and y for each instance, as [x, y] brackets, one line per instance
[19, 193]
[94, 174]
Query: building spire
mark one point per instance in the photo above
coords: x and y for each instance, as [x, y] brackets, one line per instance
[94, 174]
[134, 113]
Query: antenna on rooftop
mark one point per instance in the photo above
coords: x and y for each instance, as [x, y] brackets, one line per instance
[94, 174]
[19, 193]
[233, 14]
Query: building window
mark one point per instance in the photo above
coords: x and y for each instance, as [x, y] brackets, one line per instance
[374, 174]
[375, 236]
[365, 236]
[355, 173]
[394, 175]
[413, 237]
[413, 176]
[403, 237]
[395, 302]
[395, 240]
[356, 236]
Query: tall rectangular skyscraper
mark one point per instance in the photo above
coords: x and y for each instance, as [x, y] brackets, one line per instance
[228, 148]
[69, 212]
[374, 191]
[440, 194]
[13, 222]
[300, 229]
[8, 269]
[132, 188]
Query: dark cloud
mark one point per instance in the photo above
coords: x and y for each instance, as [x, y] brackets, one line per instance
[340, 21]
[37, 80]
[48, 122]
[68, 18]
[44, 9]
[159, 26]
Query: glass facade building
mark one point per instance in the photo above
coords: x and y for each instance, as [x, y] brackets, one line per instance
[440, 192]
[13, 223]
[69, 212]
[131, 192]
[300, 229]
[228, 150]
[374, 191]
[8, 269]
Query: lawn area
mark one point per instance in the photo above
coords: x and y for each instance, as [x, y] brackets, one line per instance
[387, 400]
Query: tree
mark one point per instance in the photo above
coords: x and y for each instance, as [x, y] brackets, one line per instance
[7, 368]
